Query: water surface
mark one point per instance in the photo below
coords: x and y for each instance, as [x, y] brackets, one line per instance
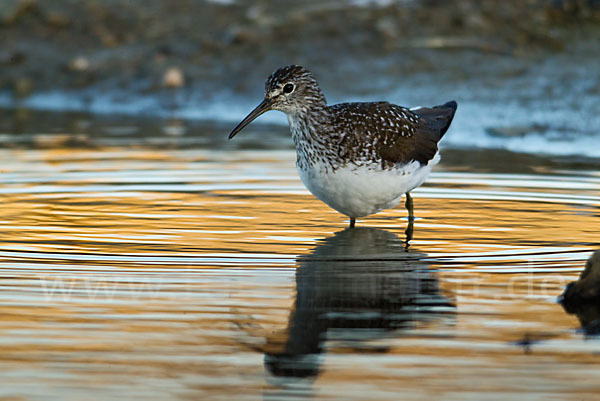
[155, 260]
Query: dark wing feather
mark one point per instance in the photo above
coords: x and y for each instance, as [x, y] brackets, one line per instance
[438, 118]
[396, 134]
[431, 126]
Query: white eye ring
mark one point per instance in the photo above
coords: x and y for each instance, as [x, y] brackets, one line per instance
[288, 88]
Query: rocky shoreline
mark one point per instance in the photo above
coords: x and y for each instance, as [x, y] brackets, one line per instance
[152, 45]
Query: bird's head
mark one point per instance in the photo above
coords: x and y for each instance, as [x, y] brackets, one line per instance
[292, 90]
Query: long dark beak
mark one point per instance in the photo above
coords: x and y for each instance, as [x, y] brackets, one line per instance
[264, 106]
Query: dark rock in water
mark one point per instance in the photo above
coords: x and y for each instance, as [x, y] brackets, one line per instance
[587, 288]
[582, 297]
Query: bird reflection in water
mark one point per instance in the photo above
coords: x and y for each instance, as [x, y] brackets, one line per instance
[356, 286]
[582, 297]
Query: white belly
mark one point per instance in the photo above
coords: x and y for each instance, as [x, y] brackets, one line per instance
[361, 191]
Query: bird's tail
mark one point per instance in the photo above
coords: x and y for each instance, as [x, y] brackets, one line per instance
[439, 117]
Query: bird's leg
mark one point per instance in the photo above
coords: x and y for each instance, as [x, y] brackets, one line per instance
[410, 207]
[411, 218]
[352, 222]
[409, 232]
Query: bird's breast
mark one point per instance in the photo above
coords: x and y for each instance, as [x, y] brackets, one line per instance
[358, 191]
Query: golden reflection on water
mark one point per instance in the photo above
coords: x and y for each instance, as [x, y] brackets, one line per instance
[193, 274]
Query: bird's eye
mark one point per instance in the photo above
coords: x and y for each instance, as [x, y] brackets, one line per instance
[288, 88]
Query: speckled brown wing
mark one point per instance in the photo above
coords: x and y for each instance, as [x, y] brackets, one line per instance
[393, 134]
